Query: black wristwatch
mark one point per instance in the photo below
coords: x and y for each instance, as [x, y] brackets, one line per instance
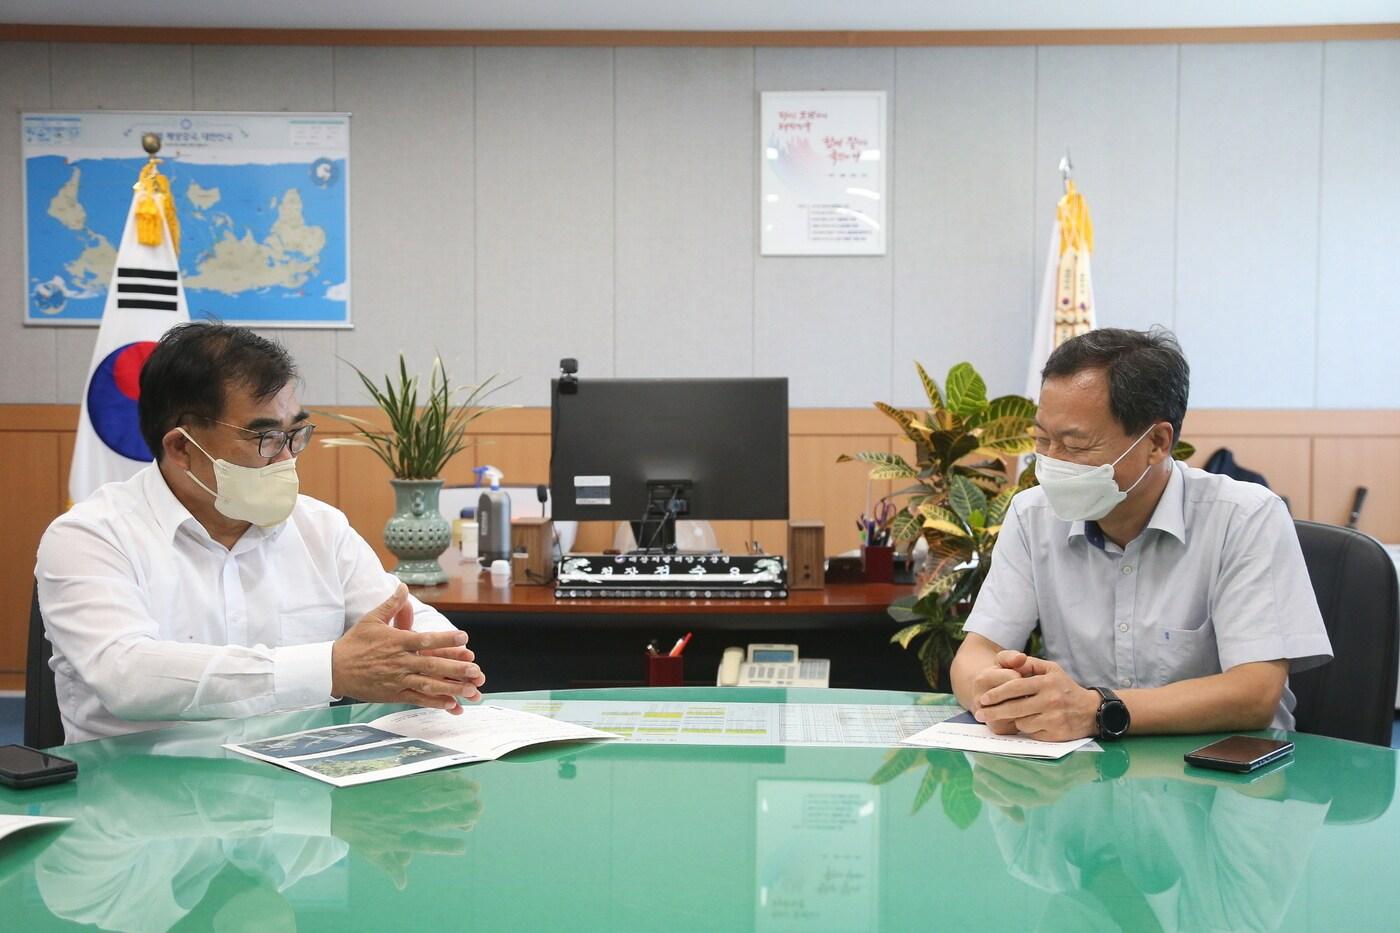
[1112, 719]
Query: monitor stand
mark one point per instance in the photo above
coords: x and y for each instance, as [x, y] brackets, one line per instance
[656, 532]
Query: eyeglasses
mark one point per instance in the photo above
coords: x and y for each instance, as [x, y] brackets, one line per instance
[271, 443]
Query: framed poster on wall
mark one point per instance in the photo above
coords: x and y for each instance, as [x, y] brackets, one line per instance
[822, 157]
[262, 198]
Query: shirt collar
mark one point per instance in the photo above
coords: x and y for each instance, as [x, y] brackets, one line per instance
[171, 515]
[1169, 516]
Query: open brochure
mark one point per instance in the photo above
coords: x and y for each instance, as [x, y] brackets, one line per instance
[411, 742]
[964, 733]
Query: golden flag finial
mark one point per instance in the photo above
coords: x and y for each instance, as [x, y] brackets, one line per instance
[154, 199]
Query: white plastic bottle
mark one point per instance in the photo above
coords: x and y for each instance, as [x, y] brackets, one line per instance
[493, 520]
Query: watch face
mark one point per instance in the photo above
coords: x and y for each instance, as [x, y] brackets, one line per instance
[1113, 717]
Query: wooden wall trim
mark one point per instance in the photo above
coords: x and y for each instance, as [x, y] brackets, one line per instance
[38, 32]
[1309, 422]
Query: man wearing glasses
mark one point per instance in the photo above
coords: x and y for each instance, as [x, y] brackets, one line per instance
[205, 587]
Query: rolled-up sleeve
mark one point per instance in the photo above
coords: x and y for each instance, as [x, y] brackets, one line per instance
[1263, 606]
[1005, 611]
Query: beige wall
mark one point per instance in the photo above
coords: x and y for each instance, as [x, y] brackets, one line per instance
[1315, 458]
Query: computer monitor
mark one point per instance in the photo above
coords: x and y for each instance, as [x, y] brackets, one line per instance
[649, 451]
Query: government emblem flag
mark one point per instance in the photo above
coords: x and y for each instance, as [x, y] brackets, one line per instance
[144, 299]
[1066, 307]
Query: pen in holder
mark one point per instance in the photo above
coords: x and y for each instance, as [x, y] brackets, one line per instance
[665, 670]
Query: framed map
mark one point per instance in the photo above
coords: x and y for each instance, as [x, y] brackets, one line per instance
[262, 199]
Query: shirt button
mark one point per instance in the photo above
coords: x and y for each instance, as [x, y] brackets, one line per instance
[1127, 569]
[1125, 682]
[1122, 626]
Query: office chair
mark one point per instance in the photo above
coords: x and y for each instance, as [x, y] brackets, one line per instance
[1353, 697]
[43, 726]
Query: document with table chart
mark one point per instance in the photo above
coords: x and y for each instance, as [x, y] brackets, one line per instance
[839, 725]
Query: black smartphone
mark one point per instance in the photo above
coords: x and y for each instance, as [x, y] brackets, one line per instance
[22, 766]
[1240, 753]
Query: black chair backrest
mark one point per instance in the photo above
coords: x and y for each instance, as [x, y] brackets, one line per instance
[1354, 579]
[43, 726]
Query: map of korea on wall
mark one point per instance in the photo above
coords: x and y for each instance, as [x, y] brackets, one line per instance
[263, 202]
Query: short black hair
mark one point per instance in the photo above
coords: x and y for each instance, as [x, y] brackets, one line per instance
[1148, 378]
[191, 368]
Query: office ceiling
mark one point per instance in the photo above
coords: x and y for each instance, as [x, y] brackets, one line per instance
[697, 14]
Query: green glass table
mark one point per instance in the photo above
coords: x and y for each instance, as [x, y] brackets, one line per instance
[172, 832]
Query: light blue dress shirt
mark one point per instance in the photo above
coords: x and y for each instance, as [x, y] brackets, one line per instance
[1215, 580]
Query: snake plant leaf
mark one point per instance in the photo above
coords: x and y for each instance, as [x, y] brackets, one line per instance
[967, 393]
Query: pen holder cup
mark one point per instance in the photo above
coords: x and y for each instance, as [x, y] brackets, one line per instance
[879, 564]
[665, 671]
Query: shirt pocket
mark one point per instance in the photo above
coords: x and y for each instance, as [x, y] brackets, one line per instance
[1186, 653]
[311, 624]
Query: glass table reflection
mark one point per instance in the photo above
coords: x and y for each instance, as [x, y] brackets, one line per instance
[171, 832]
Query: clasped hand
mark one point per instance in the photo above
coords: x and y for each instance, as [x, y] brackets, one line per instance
[1025, 694]
[381, 659]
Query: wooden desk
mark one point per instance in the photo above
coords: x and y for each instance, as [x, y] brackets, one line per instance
[527, 639]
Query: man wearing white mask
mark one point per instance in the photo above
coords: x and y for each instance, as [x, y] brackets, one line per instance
[1169, 599]
[205, 587]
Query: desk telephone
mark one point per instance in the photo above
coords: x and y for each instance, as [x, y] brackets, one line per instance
[771, 666]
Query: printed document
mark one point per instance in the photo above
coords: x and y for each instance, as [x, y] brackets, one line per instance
[411, 742]
[964, 733]
[13, 823]
[833, 725]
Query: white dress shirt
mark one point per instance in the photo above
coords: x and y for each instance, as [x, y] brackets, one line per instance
[153, 621]
[1215, 580]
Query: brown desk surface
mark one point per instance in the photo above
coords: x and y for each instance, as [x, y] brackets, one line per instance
[473, 592]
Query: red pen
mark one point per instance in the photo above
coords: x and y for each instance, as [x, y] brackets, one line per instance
[680, 645]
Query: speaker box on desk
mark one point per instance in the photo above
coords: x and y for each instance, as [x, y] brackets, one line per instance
[806, 555]
[534, 536]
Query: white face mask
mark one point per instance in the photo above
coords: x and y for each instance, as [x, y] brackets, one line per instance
[1079, 492]
[264, 496]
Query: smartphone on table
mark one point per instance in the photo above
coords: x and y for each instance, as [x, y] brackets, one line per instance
[22, 766]
[1240, 753]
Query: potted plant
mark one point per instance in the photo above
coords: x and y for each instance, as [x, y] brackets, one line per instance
[964, 474]
[420, 440]
[961, 482]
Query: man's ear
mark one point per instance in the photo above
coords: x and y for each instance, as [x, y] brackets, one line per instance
[176, 448]
[1162, 443]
